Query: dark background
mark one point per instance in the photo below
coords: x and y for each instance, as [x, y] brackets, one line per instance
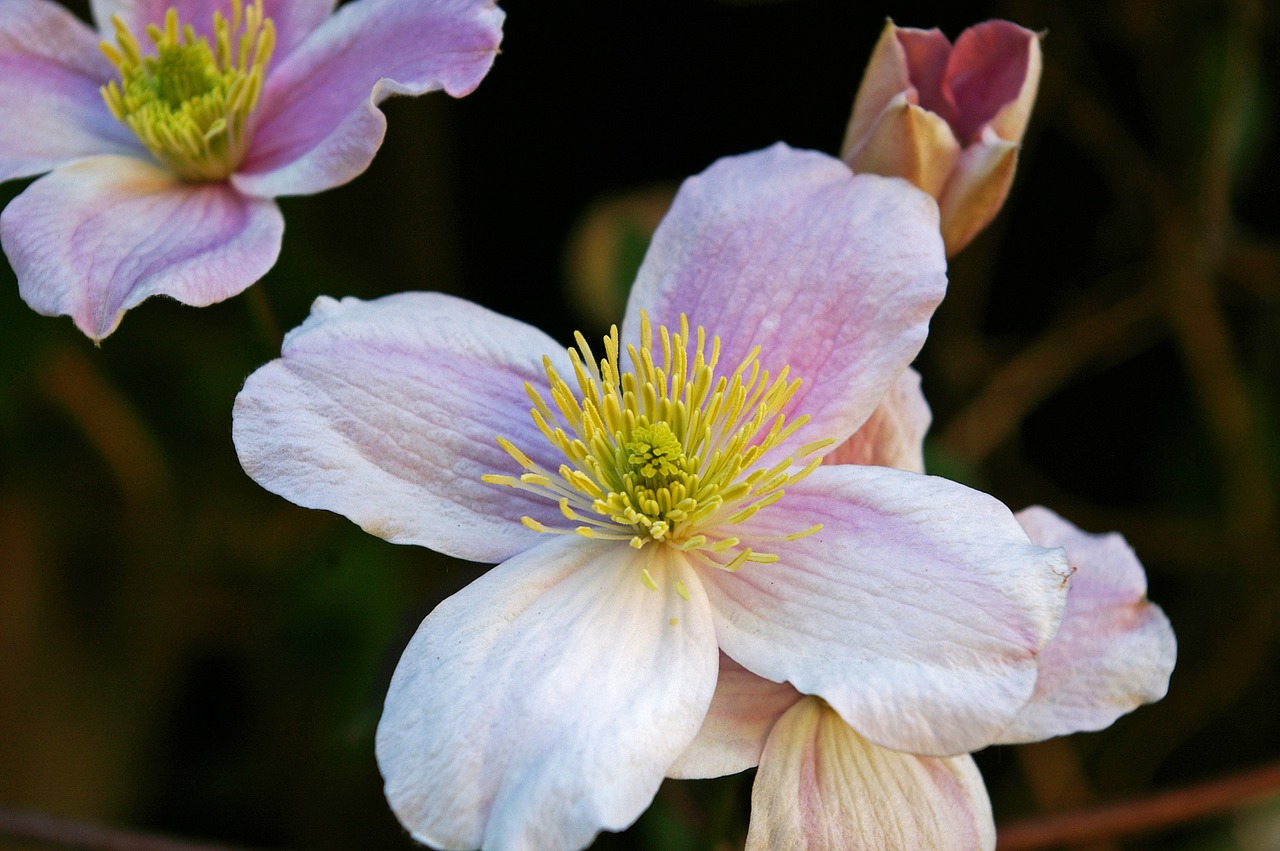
[182, 651]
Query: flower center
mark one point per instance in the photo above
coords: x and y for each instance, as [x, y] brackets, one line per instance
[669, 451]
[191, 103]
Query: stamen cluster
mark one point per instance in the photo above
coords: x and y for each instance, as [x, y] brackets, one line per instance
[666, 452]
[191, 102]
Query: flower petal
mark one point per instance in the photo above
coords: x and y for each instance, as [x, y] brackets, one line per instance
[979, 184]
[388, 412]
[886, 77]
[50, 73]
[1115, 649]
[823, 787]
[319, 123]
[909, 142]
[993, 70]
[917, 611]
[743, 711]
[98, 236]
[832, 274]
[893, 436]
[545, 701]
[926, 53]
[293, 19]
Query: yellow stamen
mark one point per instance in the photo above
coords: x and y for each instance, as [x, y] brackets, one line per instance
[192, 103]
[669, 451]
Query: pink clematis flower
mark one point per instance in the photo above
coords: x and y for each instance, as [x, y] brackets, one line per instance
[658, 505]
[169, 132]
[949, 119]
[822, 784]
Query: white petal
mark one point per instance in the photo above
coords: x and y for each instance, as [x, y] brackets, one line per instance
[917, 611]
[545, 701]
[742, 713]
[822, 787]
[831, 274]
[1115, 649]
[388, 412]
[893, 436]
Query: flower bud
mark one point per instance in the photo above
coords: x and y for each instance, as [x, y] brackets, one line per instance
[946, 117]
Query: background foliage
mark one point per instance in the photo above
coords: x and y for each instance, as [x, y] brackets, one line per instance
[182, 651]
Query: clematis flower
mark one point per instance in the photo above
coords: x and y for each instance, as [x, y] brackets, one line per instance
[169, 132]
[949, 119]
[657, 504]
[823, 785]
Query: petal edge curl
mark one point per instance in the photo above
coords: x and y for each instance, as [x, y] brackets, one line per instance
[98, 236]
[1115, 650]
[319, 123]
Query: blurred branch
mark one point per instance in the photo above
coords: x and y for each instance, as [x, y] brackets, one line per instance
[66, 833]
[264, 318]
[1216, 374]
[1254, 265]
[1057, 779]
[1193, 243]
[1195, 239]
[111, 424]
[1040, 370]
[1143, 814]
[1074, 91]
[1093, 126]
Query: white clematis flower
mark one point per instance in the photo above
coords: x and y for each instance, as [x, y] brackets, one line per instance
[659, 504]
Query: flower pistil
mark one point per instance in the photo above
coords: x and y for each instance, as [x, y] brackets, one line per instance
[667, 452]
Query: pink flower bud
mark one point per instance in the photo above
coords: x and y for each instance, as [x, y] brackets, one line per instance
[947, 118]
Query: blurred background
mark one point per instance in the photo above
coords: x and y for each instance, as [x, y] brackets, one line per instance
[183, 652]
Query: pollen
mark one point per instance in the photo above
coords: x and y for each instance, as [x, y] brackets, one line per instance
[191, 102]
[662, 448]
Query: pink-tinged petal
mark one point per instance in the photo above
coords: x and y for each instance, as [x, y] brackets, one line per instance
[979, 184]
[926, 53]
[822, 787]
[908, 142]
[994, 70]
[1115, 649]
[743, 711]
[389, 411]
[893, 436]
[832, 274]
[50, 73]
[293, 19]
[918, 611]
[319, 124]
[885, 78]
[98, 236]
[544, 702]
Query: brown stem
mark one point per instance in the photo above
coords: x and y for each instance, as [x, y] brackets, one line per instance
[1142, 815]
[66, 833]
